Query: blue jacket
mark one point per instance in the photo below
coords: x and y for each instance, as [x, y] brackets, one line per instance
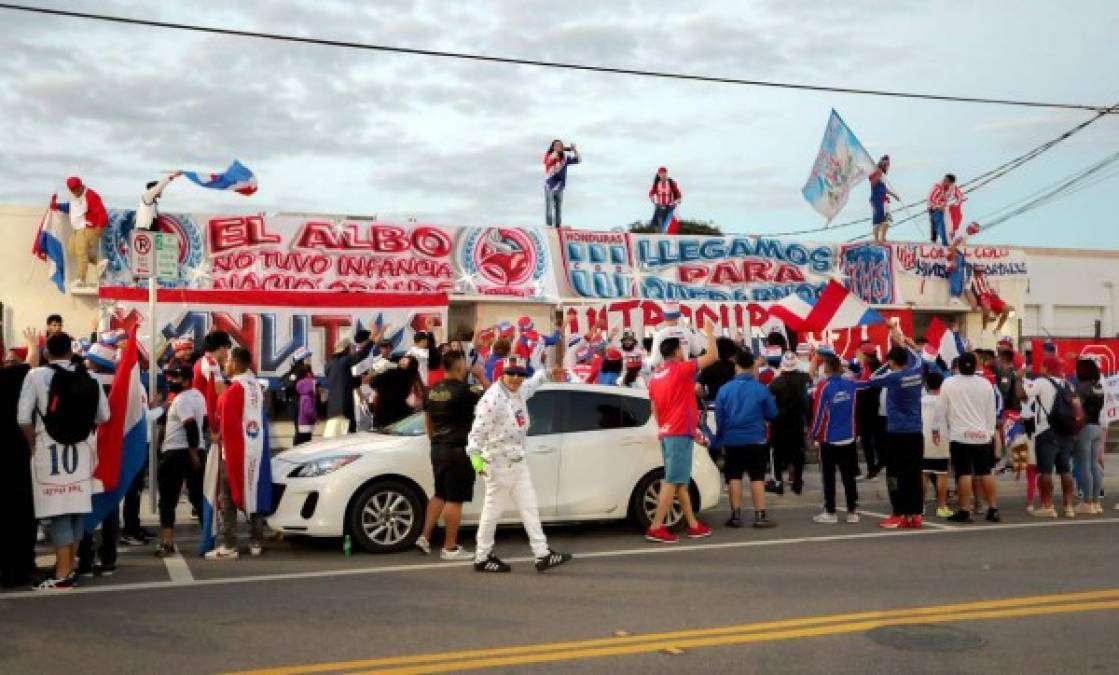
[741, 410]
[903, 395]
[834, 406]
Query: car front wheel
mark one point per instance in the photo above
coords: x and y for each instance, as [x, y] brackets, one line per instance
[386, 517]
[643, 502]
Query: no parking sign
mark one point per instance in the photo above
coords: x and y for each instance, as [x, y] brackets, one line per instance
[154, 254]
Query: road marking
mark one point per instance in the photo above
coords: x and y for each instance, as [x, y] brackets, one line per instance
[617, 553]
[926, 523]
[177, 569]
[778, 629]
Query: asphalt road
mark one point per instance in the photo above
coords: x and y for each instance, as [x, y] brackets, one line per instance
[799, 598]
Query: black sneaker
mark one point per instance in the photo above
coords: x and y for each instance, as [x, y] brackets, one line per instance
[551, 560]
[774, 487]
[492, 564]
[961, 516]
[83, 571]
[735, 519]
[798, 487]
[762, 522]
[133, 539]
[993, 516]
[103, 570]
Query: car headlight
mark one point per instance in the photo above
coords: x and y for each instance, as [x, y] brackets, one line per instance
[321, 467]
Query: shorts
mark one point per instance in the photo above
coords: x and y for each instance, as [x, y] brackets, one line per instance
[972, 459]
[454, 475]
[880, 214]
[746, 459]
[677, 454]
[65, 529]
[937, 466]
[992, 303]
[1053, 451]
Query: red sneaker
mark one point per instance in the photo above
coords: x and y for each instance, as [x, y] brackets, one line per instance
[915, 522]
[892, 523]
[661, 535]
[699, 531]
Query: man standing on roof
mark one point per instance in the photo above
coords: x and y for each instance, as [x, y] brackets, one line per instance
[880, 194]
[945, 202]
[88, 218]
[665, 195]
[147, 214]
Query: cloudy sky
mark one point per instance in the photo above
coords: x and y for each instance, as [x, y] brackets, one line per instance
[358, 132]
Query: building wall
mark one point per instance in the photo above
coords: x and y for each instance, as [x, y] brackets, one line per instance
[1069, 290]
[26, 292]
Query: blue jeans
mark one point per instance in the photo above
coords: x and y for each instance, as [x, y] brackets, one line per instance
[677, 454]
[1089, 473]
[958, 278]
[937, 228]
[661, 216]
[553, 203]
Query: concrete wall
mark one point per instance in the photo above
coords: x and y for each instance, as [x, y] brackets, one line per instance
[26, 292]
[1069, 289]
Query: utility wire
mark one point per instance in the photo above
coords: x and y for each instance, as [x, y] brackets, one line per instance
[969, 185]
[281, 37]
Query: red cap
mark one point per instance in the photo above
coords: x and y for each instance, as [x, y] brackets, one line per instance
[73, 182]
[663, 169]
[1053, 365]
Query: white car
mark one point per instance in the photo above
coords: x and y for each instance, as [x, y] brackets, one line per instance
[592, 451]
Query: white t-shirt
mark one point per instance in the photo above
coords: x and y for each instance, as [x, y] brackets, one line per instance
[970, 405]
[691, 343]
[1041, 393]
[187, 405]
[148, 209]
[933, 417]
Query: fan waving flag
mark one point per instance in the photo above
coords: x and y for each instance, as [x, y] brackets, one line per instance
[50, 244]
[943, 341]
[122, 442]
[237, 178]
[837, 307]
[840, 165]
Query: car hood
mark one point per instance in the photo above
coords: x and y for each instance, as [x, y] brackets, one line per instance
[364, 442]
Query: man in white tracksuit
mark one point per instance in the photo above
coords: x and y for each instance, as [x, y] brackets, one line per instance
[496, 447]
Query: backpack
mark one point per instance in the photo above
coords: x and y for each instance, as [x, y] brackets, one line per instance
[1066, 417]
[72, 402]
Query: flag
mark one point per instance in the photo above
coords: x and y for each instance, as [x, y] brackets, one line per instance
[841, 163]
[237, 178]
[942, 341]
[210, 500]
[122, 441]
[670, 224]
[837, 307]
[50, 244]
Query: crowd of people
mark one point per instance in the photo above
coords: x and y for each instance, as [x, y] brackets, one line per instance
[915, 416]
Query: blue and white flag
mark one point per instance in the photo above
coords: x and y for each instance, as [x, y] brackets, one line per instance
[50, 245]
[237, 178]
[840, 165]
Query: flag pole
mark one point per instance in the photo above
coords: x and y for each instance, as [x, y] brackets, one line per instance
[153, 364]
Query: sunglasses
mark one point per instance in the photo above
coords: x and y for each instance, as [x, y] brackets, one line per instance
[515, 373]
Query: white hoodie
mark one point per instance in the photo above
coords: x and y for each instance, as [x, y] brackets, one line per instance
[501, 421]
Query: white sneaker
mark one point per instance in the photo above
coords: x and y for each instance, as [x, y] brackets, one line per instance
[256, 550]
[853, 517]
[424, 545]
[459, 553]
[1069, 512]
[77, 283]
[1030, 509]
[825, 518]
[222, 553]
[101, 265]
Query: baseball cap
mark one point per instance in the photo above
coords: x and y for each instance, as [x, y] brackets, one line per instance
[663, 169]
[613, 354]
[73, 182]
[525, 323]
[182, 344]
[102, 355]
[514, 365]
[790, 362]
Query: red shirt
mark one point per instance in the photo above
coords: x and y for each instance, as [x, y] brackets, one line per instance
[672, 391]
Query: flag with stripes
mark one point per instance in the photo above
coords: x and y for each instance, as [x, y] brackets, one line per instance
[836, 308]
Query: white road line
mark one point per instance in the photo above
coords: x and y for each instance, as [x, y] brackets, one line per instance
[927, 523]
[651, 549]
[177, 569]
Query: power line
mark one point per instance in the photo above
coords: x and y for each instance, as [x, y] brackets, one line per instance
[541, 63]
[969, 185]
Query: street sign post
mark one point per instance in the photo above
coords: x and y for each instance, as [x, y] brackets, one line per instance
[154, 255]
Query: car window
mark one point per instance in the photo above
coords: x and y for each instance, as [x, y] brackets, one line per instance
[635, 411]
[545, 410]
[587, 411]
[413, 425]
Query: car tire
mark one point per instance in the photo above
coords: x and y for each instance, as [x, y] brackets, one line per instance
[642, 503]
[386, 516]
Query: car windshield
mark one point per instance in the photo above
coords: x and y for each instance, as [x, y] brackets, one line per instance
[413, 425]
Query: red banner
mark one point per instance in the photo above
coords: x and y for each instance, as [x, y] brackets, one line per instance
[1104, 351]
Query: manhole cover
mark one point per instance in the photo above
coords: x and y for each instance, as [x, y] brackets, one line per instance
[926, 638]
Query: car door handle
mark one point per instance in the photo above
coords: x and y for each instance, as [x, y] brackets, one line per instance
[632, 442]
[546, 449]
